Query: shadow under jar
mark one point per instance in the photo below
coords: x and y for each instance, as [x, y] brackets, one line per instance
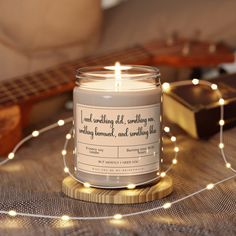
[117, 118]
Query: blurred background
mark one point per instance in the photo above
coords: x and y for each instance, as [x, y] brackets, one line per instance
[35, 35]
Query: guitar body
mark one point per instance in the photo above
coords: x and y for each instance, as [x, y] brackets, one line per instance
[10, 128]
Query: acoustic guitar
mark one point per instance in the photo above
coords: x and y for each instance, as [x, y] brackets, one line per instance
[18, 95]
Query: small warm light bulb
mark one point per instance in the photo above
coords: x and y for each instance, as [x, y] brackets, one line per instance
[87, 185]
[158, 173]
[221, 122]
[167, 205]
[131, 186]
[35, 133]
[11, 155]
[61, 122]
[165, 87]
[63, 152]
[117, 216]
[210, 186]
[214, 87]
[12, 213]
[221, 145]
[228, 165]
[163, 174]
[66, 169]
[167, 129]
[195, 81]
[173, 138]
[176, 149]
[221, 101]
[174, 161]
[68, 136]
[65, 217]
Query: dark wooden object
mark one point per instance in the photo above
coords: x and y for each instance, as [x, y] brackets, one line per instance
[196, 108]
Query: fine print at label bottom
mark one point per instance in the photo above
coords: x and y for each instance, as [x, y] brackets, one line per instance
[117, 141]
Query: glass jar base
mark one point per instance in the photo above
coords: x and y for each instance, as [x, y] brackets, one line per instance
[117, 182]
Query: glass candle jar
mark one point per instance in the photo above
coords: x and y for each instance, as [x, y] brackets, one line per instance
[117, 118]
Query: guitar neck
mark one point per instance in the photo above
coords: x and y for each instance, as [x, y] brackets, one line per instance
[53, 81]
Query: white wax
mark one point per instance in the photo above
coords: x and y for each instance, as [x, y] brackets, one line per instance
[107, 93]
[122, 85]
[110, 93]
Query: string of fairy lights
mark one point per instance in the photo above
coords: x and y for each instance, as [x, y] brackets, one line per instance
[166, 87]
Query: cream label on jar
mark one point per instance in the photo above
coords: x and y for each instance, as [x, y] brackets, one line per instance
[117, 141]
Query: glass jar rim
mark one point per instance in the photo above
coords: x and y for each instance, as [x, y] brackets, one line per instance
[136, 72]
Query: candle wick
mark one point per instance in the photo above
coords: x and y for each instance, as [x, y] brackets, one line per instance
[117, 75]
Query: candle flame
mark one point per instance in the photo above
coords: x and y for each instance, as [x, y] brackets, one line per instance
[117, 68]
[117, 71]
[122, 67]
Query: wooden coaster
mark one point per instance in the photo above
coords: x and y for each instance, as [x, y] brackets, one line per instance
[76, 190]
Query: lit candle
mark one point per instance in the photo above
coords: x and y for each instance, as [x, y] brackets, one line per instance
[117, 112]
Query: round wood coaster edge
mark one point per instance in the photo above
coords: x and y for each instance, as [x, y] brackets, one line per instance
[76, 190]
